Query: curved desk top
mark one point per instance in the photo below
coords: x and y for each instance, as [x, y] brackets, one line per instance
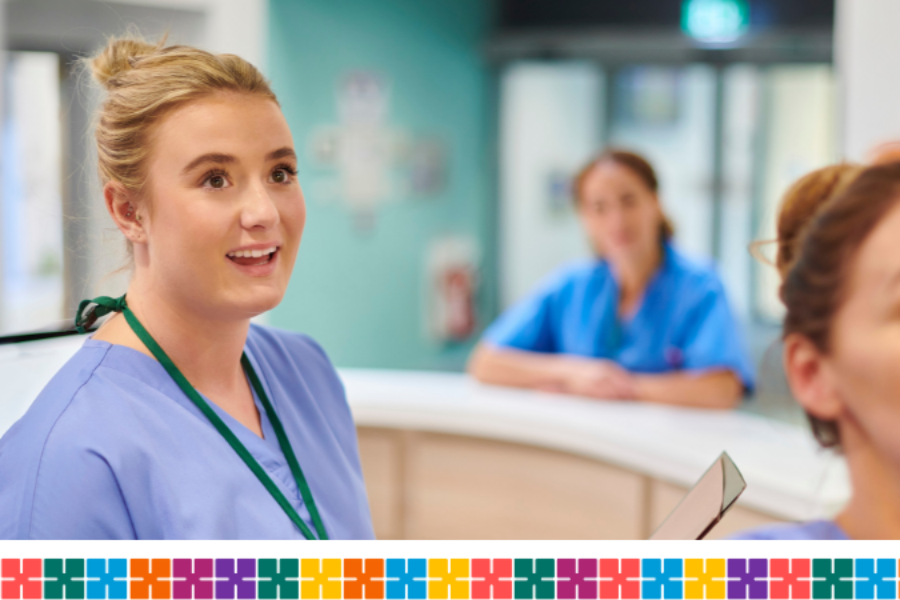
[787, 474]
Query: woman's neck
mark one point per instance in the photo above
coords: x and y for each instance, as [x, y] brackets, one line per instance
[207, 351]
[874, 508]
[633, 273]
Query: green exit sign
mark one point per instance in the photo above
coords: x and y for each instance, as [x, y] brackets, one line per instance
[715, 21]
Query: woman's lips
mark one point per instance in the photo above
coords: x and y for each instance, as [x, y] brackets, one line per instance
[256, 266]
[261, 251]
[255, 260]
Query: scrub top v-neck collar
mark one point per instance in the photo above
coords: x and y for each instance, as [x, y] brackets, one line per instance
[623, 323]
[264, 449]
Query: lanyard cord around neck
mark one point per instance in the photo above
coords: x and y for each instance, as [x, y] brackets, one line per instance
[104, 305]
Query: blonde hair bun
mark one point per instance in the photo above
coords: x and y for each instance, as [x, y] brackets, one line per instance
[121, 55]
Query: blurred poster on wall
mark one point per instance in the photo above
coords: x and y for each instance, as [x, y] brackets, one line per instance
[367, 160]
[559, 191]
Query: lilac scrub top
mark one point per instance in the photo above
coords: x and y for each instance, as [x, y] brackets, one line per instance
[113, 449]
[811, 530]
[684, 320]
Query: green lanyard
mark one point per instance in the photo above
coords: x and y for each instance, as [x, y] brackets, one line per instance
[104, 305]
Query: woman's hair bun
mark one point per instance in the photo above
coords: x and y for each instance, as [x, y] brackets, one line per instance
[145, 81]
[119, 56]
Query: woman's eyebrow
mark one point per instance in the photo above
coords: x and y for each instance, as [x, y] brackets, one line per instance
[281, 153]
[212, 157]
[219, 158]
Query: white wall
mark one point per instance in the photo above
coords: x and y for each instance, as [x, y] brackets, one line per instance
[799, 138]
[742, 86]
[232, 26]
[867, 55]
[550, 124]
[239, 27]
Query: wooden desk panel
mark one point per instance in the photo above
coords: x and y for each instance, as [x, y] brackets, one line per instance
[436, 486]
[381, 453]
[463, 488]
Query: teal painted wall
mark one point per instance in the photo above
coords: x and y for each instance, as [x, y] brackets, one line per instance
[360, 293]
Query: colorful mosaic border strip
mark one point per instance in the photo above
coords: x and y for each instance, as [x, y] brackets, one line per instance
[447, 579]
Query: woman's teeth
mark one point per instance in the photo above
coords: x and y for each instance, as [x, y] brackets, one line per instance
[252, 253]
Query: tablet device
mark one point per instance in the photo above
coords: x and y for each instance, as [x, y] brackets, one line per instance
[705, 504]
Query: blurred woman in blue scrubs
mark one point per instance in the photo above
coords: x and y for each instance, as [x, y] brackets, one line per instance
[640, 322]
[179, 418]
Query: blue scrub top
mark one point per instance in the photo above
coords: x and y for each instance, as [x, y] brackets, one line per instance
[682, 322]
[812, 530]
[113, 449]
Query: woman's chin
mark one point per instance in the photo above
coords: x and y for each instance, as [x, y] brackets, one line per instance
[247, 308]
[620, 253]
[628, 252]
[261, 308]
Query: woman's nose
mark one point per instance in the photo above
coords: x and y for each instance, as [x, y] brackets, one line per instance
[616, 217]
[259, 210]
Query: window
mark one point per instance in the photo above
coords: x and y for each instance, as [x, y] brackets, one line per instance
[31, 219]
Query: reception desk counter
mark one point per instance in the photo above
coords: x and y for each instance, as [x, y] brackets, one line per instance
[445, 457]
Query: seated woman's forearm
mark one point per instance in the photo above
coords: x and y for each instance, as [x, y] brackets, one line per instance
[516, 368]
[570, 374]
[563, 373]
[714, 389]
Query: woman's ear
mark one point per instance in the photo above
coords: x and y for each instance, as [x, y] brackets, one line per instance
[810, 377]
[124, 209]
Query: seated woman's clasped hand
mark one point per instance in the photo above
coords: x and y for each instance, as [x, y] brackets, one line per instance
[592, 378]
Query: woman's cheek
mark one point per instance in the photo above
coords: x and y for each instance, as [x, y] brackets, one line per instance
[298, 216]
[880, 424]
[872, 386]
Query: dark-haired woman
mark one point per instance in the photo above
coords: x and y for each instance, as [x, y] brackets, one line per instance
[640, 322]
[842, 347]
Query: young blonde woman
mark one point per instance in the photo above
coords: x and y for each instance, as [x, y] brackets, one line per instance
[840, 264]
[178, 418]
[640, 322]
